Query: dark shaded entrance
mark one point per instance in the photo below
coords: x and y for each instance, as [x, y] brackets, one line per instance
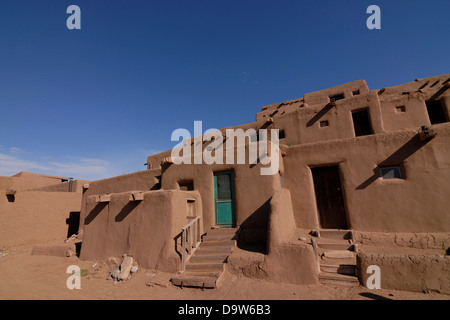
[361, 123]
[436, 112]
[73, 223]
[329, 197]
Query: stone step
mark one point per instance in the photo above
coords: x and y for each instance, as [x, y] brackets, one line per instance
[218, 237]
[223, 230]
[339, 269]
[212, 250]
[334, 234]
[218, 243]
[338, 279]
[209, 258]
[202, 274]
[339, 254]
[231, 232]
[339, 261]
[204, 267]
[344, 245]
[199, 281]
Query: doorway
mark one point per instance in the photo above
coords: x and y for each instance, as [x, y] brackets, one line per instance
[436, 112]
[361, 123]
[329, 197]
[224, 199]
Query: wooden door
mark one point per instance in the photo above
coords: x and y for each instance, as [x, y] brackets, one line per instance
[329, 197]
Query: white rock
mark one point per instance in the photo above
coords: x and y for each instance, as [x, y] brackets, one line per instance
[125, 268]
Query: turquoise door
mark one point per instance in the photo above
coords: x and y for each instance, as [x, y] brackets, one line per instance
[224, 199]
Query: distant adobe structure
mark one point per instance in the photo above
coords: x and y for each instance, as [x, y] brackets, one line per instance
[38, 208]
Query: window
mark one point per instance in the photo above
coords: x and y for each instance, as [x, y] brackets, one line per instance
[391, 173]
[436, 111]
[224, 187]
[281, 134]
[400, 109]
[324, 123]
[356, 92]
[361, 123]
[336, 97]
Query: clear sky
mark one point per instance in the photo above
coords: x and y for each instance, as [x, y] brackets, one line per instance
[94, 103]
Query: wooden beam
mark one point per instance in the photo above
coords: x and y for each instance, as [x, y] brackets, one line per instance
[105, 198]
[10, 192]
[138, 196]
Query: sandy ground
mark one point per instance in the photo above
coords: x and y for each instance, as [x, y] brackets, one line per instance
[24, 276]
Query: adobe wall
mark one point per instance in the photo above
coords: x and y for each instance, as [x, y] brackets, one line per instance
[418, 272]
[77, 186]
[252, 194]
[149, 230]
[35, 216]
[417, 204]
[25, 183]
[312, 118]
[141, 180]
[288, 260]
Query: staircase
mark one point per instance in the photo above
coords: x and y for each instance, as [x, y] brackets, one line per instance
[206, 266]
[336, 251]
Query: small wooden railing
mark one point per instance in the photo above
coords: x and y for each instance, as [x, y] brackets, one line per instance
[190, 240]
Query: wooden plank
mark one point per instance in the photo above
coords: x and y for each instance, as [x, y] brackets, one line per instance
[10, 192]
[105, 198]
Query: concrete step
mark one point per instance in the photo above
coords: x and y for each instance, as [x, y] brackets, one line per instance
[338, 279]
[339, 269]
[204, 267]
[208, 258]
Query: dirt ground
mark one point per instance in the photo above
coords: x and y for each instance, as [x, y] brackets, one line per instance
[24, 277]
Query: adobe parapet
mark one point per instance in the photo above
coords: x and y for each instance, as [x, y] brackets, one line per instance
[352, 110]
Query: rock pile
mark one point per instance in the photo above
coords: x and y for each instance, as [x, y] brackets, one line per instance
[123, 271]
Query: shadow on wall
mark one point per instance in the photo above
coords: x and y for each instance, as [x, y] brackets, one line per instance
[319, 115]
[398, 157]
[253, 231]
[78, 248]
[126, 210]
[177, 243]
[94, 212]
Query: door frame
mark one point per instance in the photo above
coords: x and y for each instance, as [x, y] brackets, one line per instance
[233, 211]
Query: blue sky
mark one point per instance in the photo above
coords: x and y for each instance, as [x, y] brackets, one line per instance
[94, 103]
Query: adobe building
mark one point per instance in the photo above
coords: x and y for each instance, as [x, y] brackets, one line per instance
[363, 179]
[37, 208]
